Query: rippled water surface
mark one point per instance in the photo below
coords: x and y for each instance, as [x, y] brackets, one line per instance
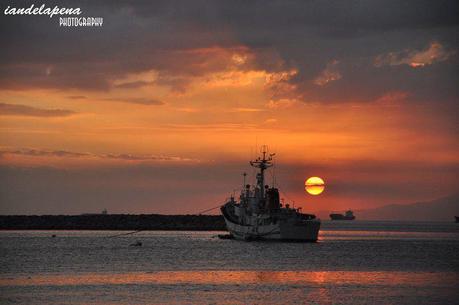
[353, 263]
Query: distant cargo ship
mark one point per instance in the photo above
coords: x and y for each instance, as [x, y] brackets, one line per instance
[349, 215]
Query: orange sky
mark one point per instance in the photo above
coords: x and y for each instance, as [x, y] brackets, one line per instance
[221, 118]
[210, 106]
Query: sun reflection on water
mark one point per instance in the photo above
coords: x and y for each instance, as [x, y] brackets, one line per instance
[237, 277]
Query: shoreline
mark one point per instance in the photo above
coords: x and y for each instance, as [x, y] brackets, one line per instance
[190, 222]
[114, 222]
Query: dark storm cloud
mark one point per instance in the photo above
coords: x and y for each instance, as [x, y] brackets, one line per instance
[23, 110]
[359, 83]
[305, 35]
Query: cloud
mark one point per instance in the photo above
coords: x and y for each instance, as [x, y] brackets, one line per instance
[282, 103]
[133, 85]
[270, 121]
[188, 109]
[329, 74]
[64, 75]
[244, 109]
[131, 157]
[77, 97]
[394, 98]
[216, 127]
[23, 110]
[182, 45]
[282, 85]
[137, 100]
[31, 152]
[413, 58]
[43, 153]
[177, 84]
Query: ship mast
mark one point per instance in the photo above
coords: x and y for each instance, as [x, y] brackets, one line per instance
[262, 163]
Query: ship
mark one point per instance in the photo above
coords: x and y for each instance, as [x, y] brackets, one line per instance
[348, 215]
[258, 213]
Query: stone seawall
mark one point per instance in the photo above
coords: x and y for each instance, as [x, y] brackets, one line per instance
[113, 222]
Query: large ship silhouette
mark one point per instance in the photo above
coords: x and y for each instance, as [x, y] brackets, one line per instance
[259, 215]
[348, 215]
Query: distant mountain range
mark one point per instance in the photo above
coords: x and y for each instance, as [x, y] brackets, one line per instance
[442, 209]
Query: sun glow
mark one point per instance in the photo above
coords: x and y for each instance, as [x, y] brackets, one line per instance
[314, 185]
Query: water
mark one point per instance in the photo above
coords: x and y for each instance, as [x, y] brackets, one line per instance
[353, 263]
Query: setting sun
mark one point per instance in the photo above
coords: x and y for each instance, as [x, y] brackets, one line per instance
[314, 185]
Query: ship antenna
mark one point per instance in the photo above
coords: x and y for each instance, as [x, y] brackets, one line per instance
[264, 150]
[262, 163]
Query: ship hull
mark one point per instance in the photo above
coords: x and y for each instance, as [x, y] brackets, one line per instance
[306, 231]
[341, 217]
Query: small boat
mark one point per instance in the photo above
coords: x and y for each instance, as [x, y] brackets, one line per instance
[348, 215]
[136, 244]
[259, 215]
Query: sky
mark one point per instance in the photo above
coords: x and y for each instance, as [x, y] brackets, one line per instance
[161, 108]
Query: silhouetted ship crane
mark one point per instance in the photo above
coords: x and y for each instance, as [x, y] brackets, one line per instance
[259, 214]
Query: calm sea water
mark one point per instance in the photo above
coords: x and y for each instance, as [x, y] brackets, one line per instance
[353, 263]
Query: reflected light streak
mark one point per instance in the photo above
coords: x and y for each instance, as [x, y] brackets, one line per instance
[238, 277]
